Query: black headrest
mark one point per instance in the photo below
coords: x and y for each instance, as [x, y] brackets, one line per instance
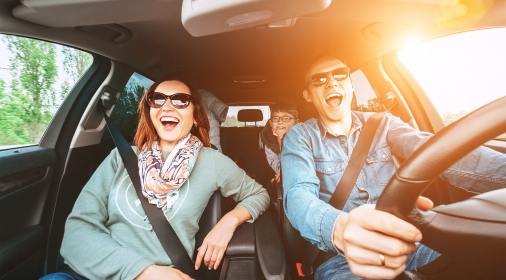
[250, 115]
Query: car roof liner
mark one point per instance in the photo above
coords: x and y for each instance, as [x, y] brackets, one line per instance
[73, 13]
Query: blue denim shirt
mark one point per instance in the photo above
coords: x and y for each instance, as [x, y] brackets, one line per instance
[313, 161]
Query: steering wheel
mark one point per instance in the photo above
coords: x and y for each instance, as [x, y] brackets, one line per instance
[470, 233]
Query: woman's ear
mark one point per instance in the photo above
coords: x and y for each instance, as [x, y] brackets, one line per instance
[307, 96]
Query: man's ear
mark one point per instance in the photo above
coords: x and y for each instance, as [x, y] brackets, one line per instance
[307, 96]
[297, 121]
[352, 84]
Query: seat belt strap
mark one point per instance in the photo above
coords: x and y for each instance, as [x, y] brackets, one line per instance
[345, 185]
[161, 226]
[357, 159]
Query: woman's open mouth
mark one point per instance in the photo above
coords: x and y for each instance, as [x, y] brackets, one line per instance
[169, 122]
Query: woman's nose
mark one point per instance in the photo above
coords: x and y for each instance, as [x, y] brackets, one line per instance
[167, 106]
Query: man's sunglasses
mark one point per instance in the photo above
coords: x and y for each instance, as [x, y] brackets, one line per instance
[284, 119]
[338, 74]
[178, 100]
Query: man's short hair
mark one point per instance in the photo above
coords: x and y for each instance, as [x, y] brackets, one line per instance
[284, 106]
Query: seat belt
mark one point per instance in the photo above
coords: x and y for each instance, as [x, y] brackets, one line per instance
[161, 226]
[345, 185]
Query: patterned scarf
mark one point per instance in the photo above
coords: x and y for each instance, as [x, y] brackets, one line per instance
[161, 181]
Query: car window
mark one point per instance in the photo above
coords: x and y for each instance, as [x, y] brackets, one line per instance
[367, 101]
[460, 73]
[35, 77]
[231, 120]
[125, 115]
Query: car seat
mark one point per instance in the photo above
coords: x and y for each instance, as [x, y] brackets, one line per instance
[255, 251]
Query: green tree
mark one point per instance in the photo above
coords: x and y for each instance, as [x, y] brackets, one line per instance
[27, 109]
[2, 91]
[231, 121]
[449, 117]
[75, 64]
[125, 114]
[373, 105]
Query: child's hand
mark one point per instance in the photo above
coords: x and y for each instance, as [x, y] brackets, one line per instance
[275, 131]
[279, 131]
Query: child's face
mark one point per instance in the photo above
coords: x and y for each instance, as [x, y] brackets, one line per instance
[280, 126]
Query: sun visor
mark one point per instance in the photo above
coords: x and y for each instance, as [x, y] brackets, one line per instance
[206, 17]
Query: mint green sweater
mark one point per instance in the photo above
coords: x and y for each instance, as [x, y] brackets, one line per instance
[106, 236]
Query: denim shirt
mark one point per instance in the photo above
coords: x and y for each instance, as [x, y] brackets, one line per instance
[313, 161]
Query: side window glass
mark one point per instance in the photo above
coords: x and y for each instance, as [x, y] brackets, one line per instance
[367, 101]
[460, 73]
[231, 120]
[35, 77]
[125, 115]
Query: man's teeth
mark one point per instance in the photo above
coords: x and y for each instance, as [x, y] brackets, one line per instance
[334, 95]
[169, 119]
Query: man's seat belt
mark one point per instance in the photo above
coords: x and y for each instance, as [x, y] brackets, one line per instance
[345, 185]
[161, 226]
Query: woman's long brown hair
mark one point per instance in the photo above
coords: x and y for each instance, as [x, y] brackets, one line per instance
[146, 133]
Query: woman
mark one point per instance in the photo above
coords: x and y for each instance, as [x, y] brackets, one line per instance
[107, 235]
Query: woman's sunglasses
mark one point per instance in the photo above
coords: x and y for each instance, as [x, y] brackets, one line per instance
[338, 74]
[178, 100]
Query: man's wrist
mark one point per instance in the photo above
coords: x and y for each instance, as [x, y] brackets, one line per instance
[337, 233]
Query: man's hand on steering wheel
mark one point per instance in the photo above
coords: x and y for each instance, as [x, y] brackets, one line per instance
[377, 244]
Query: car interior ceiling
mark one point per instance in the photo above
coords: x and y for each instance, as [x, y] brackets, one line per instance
[378, 30]
[217, 63]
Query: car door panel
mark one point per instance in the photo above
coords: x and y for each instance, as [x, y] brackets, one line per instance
[30, 178]
[25, 177]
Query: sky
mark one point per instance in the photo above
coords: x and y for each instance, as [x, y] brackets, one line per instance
[460, 72]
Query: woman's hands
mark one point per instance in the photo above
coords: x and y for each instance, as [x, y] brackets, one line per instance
[215, 244]
[155, 272]
[369, 237]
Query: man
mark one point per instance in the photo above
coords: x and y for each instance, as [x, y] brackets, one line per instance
[368, 243]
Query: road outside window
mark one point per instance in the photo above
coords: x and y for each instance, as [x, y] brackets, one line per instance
[35, 78]
[461, 72]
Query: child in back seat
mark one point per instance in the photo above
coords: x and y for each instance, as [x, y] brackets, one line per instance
[284, 115]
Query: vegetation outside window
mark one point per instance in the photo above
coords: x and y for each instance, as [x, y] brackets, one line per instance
[35, 78]
[125, 115]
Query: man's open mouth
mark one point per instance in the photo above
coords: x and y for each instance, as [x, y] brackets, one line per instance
[334, 99]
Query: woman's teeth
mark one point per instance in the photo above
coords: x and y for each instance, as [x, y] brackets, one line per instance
[169, 120]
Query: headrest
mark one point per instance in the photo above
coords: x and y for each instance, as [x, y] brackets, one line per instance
[250, 115]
